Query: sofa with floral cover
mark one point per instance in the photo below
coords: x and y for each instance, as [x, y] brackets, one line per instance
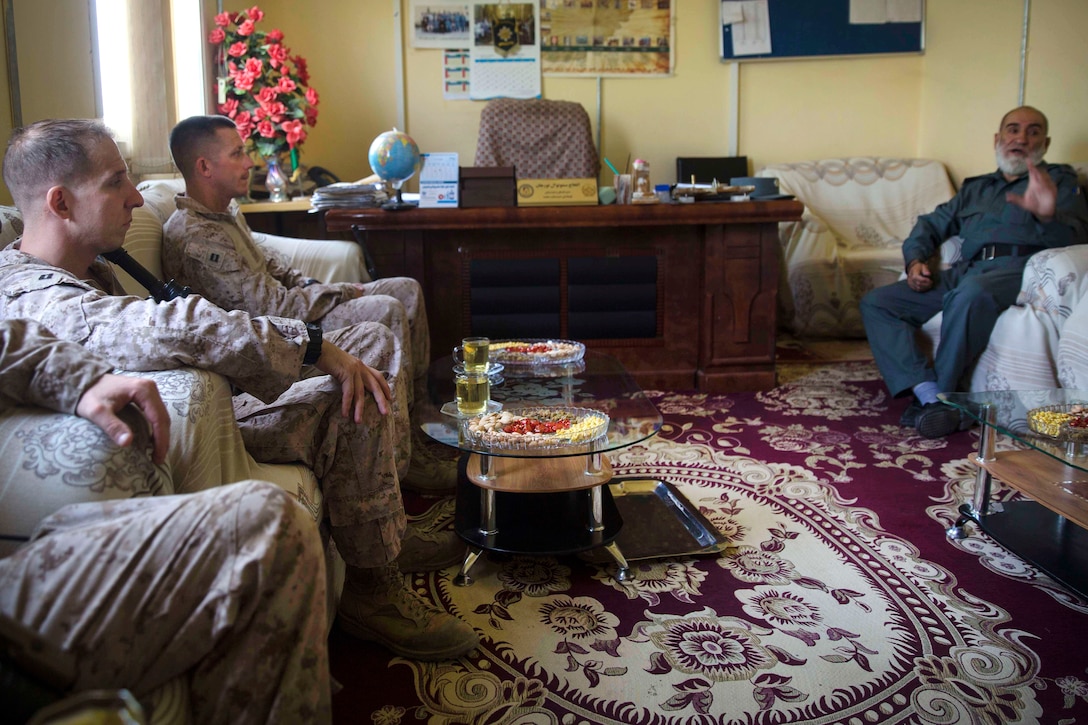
[849, 241]
[48, 460]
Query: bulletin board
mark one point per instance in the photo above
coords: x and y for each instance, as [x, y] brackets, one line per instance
[808, 29]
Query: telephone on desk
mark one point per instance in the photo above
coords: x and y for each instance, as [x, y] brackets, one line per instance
[322, 176]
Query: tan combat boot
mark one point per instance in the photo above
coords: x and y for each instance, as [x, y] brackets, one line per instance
[376, 606]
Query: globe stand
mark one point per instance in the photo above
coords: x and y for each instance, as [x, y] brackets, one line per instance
[399, 204]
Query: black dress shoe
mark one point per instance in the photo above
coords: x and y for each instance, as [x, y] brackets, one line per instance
[936, 420]
[910, 415]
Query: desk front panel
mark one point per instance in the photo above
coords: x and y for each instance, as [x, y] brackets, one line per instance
[682, 305]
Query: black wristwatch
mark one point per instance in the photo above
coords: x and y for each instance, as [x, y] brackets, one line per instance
[313, 348]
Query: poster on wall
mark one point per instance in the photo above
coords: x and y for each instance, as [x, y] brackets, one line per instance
[504, 58]
[606, 37]
[455, 75]
[440, 24]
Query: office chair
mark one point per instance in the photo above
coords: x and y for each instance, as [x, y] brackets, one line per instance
[541, 139]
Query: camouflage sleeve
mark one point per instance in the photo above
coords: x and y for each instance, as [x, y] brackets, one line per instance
[38, 369]
[200, 253]
[261, 355]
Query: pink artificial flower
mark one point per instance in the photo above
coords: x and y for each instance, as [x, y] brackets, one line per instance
[217, 36]
[311, 116]
[255, 14]
[286, 85]
[244, 122]
[266, 95]
[237, 49]
[229, 108]
[311, 96]
[276, 54]
[254, 66]
[246, 28]
[275, 36]
[222, 19]
[244, 81]
[273, 111]
[302, 70]
[296, 134]
[266, 129]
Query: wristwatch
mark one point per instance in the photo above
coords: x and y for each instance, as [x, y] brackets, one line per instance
[313, 348]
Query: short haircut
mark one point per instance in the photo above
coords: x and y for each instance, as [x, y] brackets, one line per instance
[1046, 122]
[189, 136]
[50, 153]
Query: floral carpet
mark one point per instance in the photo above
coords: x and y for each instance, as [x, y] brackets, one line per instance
[838, 600]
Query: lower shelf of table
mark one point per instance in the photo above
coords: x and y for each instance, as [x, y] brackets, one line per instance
[553, 523]
[1041, 537]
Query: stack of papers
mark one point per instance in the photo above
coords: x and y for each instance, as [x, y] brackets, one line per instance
[346, 195]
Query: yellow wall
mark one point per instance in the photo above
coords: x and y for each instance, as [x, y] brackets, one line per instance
[943, 104]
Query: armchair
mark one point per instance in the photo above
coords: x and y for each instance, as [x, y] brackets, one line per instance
[541, 139]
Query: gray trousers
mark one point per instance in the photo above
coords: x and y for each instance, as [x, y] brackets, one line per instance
[971, 296]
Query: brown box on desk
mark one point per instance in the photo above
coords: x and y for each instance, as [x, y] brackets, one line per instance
[487, 186]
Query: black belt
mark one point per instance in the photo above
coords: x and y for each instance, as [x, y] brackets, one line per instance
[992, 251]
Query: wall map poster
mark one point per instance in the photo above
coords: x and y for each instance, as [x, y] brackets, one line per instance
[606, 37]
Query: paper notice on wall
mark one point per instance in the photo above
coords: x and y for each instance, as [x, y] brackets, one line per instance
[879, 12]
[904, 11]
[732, 12]
[505, 55]
[752, 35]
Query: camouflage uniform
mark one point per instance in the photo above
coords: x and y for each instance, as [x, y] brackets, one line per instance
[262, 356]
[215, 254]
[203, 586]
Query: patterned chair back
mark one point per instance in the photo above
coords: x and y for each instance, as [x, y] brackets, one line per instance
[541, 139]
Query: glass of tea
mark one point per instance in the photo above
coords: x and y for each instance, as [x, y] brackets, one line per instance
[472, 353]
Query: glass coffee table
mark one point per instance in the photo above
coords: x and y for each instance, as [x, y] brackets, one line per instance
[546, 501]
[1051, 529]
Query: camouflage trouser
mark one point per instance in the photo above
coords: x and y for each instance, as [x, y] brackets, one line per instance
[356, 465]
[410, 295]
[226, 587]
[381, 347]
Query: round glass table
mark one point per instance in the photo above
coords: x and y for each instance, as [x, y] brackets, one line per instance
[551, 500]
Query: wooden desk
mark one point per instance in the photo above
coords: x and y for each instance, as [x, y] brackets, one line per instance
[713, 279]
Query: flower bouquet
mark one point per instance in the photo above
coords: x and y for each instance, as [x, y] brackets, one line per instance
[263, 88]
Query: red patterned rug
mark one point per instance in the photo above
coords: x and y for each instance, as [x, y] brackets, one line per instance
[839, 600]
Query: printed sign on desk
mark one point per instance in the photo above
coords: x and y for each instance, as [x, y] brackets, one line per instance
[438, 180]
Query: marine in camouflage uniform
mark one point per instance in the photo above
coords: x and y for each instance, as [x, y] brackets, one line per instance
[209, 247]
[216, 256]
[134, 593]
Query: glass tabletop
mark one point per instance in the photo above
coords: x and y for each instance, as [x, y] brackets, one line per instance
[1033, 417]
[597, 382]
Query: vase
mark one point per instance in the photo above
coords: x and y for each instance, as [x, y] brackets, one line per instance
[275, 180]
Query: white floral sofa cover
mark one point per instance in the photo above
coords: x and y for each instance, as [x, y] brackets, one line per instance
[48, 460]
[849, 240]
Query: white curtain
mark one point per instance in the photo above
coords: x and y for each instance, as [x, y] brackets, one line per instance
[153, 107]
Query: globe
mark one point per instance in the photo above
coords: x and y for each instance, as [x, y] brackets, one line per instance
[394, 157]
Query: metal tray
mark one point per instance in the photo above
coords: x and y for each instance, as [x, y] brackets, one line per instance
[658, 522]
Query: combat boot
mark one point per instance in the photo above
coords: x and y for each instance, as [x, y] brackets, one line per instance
[429, 474]
[423, 551]
[376, 606]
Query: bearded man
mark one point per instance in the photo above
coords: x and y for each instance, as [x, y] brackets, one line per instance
[1003, 218]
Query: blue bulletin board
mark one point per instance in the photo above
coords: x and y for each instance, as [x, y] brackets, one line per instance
[823, 28]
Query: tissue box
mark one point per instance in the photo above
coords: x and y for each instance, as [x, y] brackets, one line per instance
[483, 186]
[557, 192]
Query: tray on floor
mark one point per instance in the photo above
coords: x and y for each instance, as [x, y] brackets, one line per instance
[658, 521]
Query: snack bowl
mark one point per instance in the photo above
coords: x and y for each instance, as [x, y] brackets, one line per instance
[1062, 422]
[537, 428]
[536, 351]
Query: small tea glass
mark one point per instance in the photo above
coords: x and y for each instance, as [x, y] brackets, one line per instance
[472, 354]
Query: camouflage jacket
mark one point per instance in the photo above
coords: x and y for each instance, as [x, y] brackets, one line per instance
[38, 369]
[214, 254]
[260, 355]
